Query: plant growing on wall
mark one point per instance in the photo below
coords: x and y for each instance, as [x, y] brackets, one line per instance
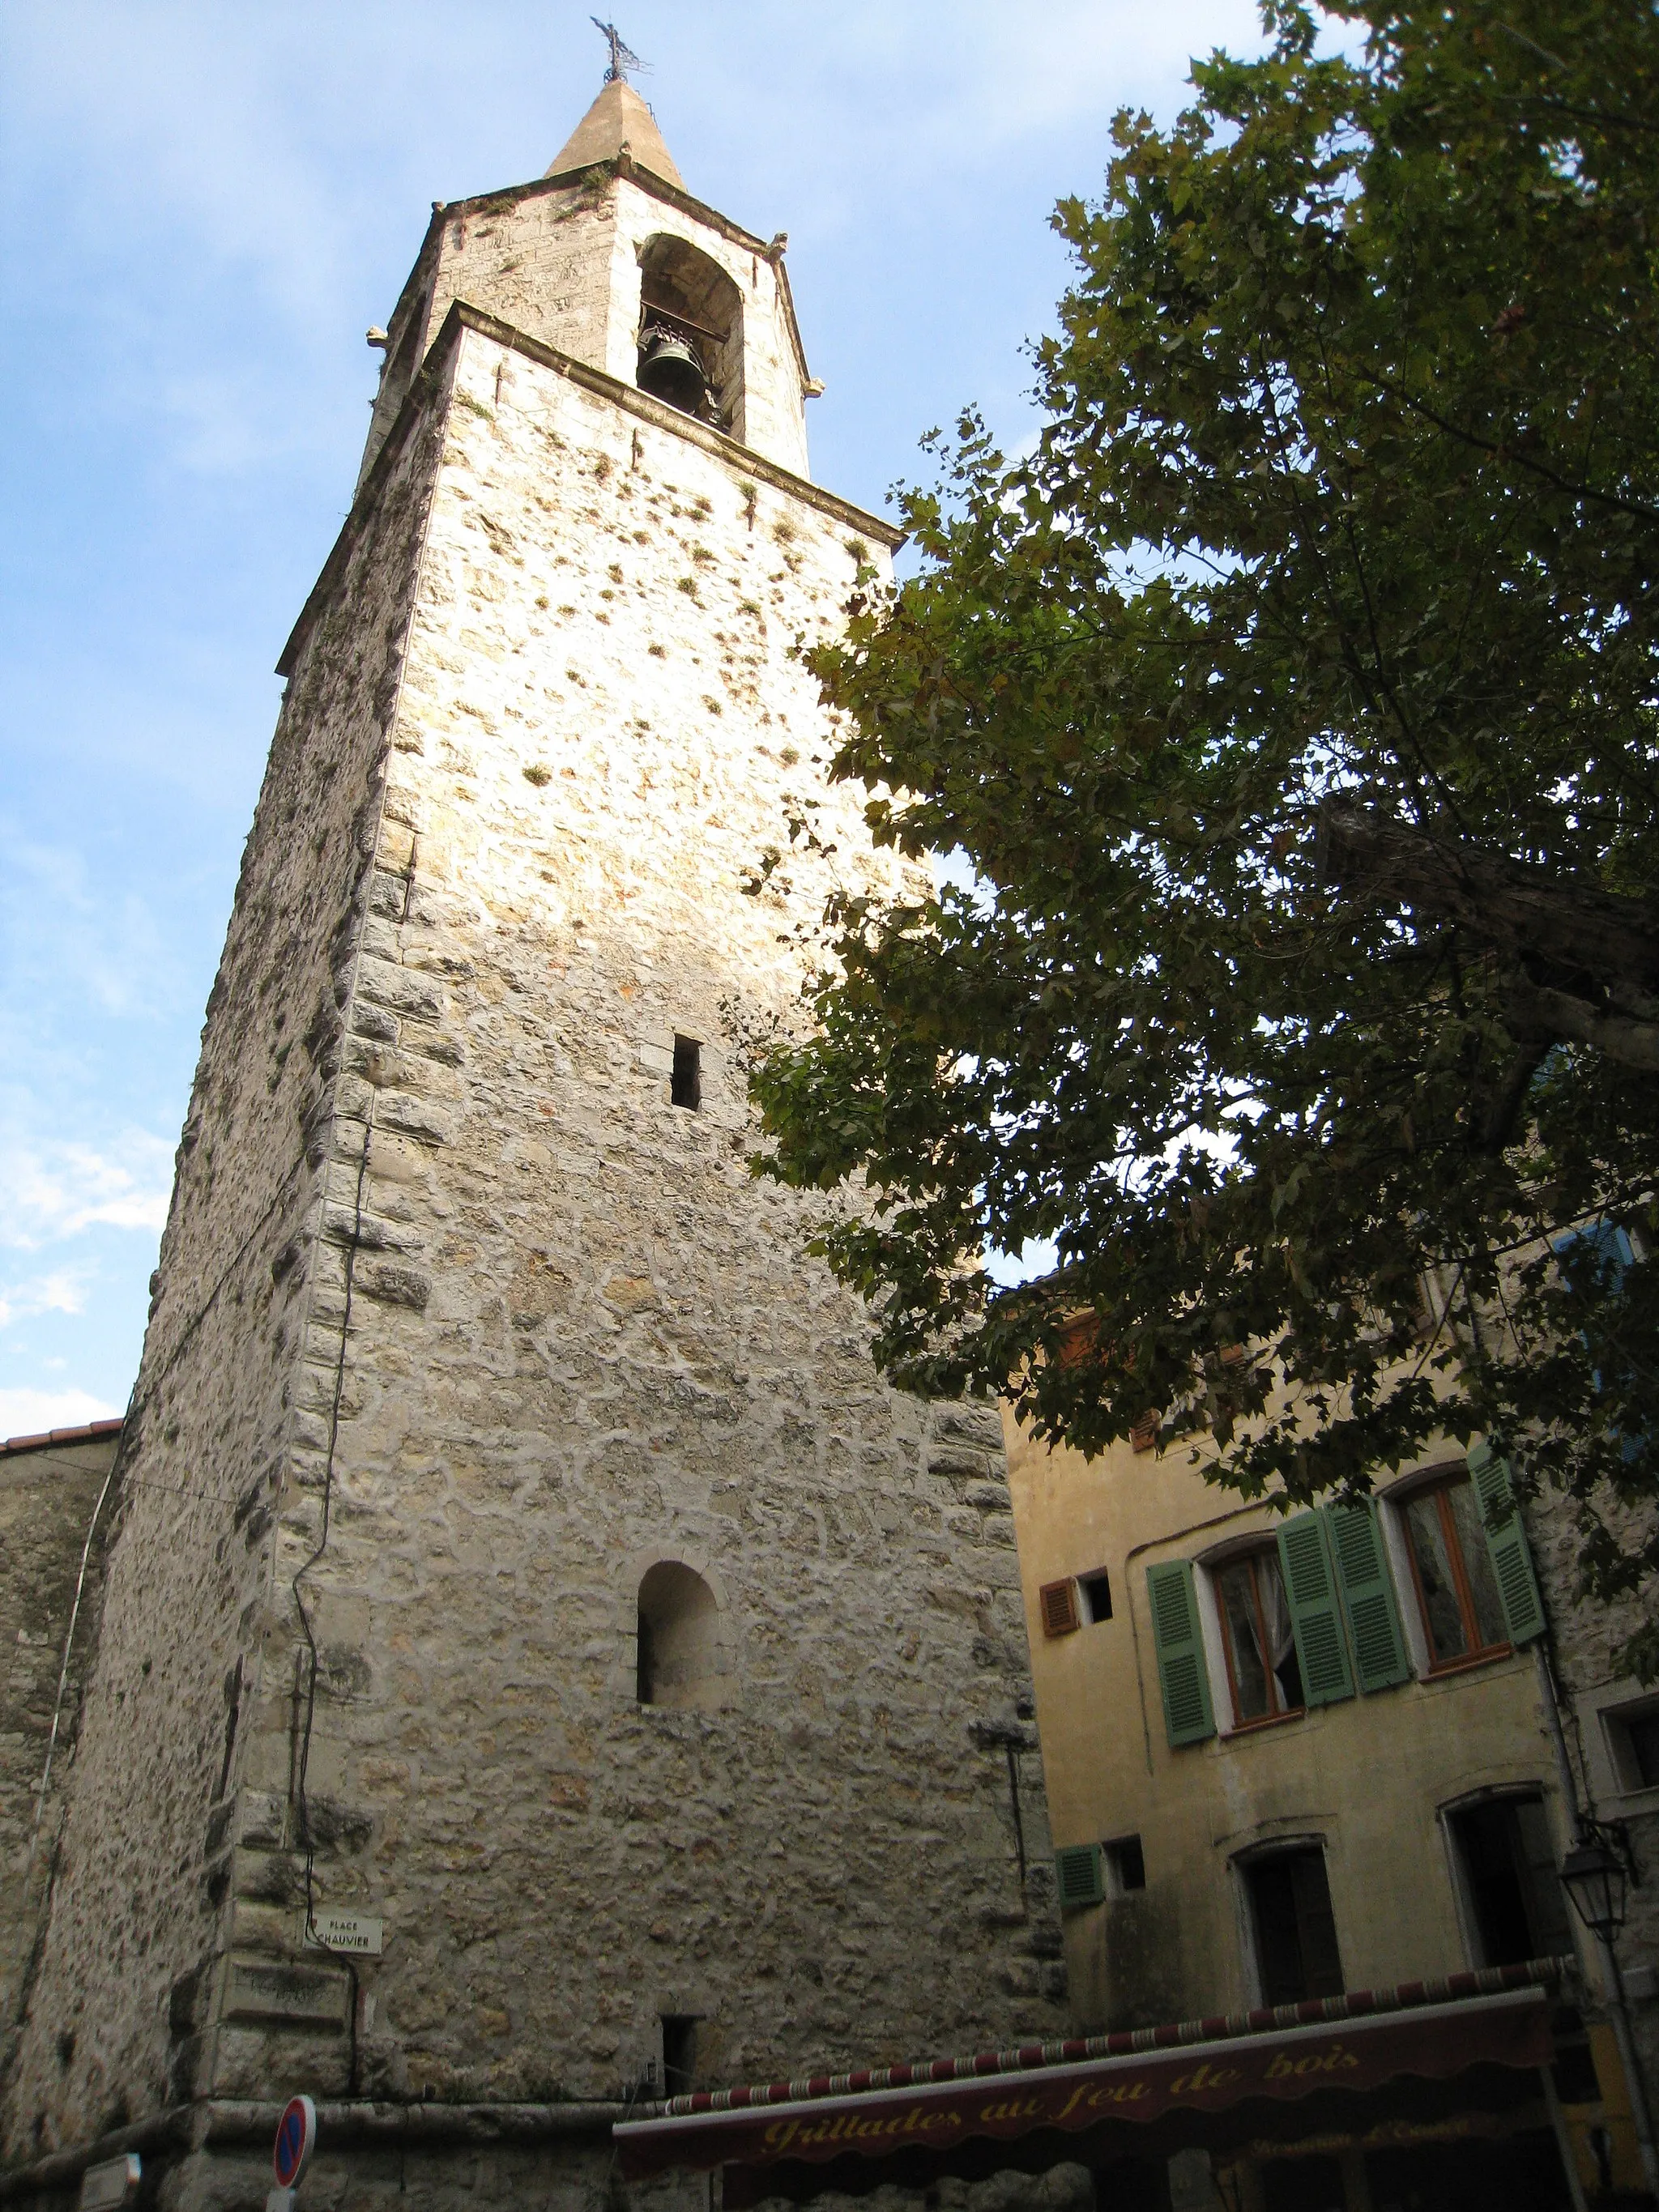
[1293, 705]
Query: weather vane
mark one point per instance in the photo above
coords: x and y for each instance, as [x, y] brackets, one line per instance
[622, 56]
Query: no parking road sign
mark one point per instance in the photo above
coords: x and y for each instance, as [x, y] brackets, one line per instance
[296, 2138]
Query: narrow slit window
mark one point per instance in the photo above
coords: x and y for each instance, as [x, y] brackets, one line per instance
[685, 1085]
[679, 2053]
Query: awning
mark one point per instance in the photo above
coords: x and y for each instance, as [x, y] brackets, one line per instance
[1487, 2031]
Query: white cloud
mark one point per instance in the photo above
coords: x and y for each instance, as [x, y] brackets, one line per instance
[52, 1192]
[62, 1291]
[29, 1413]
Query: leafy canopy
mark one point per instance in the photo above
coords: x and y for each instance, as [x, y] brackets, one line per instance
[1293, 702]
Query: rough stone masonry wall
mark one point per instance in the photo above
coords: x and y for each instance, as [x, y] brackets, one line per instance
[128, 1971]
[47, 1499]
[582, 1338]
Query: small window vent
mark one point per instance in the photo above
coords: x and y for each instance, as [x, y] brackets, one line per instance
[1076, 1875]
[1058, 1602]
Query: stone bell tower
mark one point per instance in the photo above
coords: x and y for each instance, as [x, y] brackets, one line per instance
[540, 1656]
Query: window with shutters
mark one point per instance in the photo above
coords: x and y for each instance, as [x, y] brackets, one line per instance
[1506, 1860]
[1292, 1927]
[1376, 1635]
[1258, 1637]
[1458, 1598]
[1078, 1601]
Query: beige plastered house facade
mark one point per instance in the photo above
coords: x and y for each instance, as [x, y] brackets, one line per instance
[1209, 1817]
[541, 1663]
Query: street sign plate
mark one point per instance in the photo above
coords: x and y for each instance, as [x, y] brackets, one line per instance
[357, 1932]
[296, 2134]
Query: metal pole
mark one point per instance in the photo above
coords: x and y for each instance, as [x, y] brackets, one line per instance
[1563, 2141]
[1634, 2083]
[1550, 1699]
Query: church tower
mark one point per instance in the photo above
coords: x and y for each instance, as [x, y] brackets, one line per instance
[542, 1662]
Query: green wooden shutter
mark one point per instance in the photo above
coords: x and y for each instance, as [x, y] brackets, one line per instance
[1368, 1600]
[1182, 1676]
[1315, 1612]
[1077, 1872]
[1506, 1540]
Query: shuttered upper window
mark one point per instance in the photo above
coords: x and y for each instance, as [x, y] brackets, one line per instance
[1264, 1673]
[1457, 1591]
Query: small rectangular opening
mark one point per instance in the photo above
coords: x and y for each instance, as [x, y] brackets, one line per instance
[1633, 1738]
[1126, 1865]
[679, 2053]
[685, 1085]
[1096, 1592]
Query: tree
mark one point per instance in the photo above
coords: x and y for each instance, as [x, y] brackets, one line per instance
[1294, 704]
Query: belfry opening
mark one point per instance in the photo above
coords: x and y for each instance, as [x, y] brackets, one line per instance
[690, 334]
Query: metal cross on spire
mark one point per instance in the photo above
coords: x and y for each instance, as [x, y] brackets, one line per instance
[622, 56]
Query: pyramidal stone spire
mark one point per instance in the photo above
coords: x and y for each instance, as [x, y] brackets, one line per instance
[618, 117]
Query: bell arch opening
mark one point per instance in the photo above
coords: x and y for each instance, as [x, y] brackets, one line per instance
[678, 1662]
[690, 333]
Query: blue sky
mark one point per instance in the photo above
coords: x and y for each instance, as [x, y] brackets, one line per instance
[205, 205]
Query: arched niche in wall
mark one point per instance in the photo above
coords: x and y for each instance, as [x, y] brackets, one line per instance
[681, 1661]
[690, 334]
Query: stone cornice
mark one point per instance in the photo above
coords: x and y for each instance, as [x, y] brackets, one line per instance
[632, 401]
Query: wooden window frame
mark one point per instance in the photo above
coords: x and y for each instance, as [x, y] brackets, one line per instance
[1478, 1654]
[1219, 1567]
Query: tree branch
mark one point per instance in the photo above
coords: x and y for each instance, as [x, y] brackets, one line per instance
[1555, 920]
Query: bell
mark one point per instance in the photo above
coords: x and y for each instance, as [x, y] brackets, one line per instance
[670, 370]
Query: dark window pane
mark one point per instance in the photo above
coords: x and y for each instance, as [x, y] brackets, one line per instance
[1295, 1930]
[1128, 1862]
[1477, 1565]
[1236, 1585]
[679, 2053]
[1489, 1844]
[1275, 1611]
[685, 1084]
[1302, 2185]
[1322, 1968]
[1643, 1736]
[1288, 1675]
[1097, 1590]
[1442, 1615]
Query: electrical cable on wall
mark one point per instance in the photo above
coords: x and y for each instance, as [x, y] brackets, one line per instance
[302, 1763]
